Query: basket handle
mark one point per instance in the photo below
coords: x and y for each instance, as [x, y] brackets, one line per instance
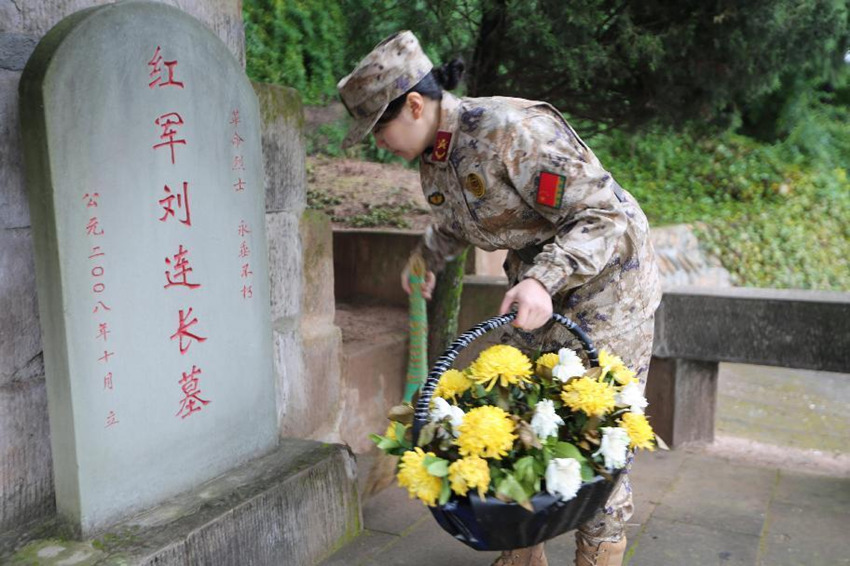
[445, 361]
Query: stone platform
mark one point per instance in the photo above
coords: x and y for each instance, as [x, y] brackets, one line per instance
[293, 506]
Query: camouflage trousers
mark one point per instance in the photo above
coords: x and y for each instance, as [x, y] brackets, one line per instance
[635, 349]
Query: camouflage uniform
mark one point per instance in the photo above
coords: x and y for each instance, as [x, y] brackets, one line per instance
[506, 173]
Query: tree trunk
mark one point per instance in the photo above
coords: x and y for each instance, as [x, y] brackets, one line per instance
[484, 71]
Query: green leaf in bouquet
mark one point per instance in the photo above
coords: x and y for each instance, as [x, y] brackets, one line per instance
[436, 466]
[426, 434]
[524, 470]
[401, 414]
[587, 472]
[387, 444]
[510, 489]
[561, 449]
[445, 492]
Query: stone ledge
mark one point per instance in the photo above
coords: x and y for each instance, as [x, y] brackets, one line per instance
[295, 506]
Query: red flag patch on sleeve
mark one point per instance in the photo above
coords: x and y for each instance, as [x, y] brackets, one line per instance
[550, 189]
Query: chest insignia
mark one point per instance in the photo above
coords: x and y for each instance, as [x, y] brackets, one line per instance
[436, 199]
[475, 185]
[550, 189]
[441, 146]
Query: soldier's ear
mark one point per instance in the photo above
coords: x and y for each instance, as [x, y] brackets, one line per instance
[416, 103]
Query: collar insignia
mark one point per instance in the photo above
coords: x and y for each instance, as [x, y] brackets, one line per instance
[441, 147]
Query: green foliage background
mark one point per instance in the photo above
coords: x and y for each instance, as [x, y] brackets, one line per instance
[732, 116]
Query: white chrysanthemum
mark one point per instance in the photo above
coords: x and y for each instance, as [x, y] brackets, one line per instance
[614, 447]
[569, 365]
[563, 477]
[631, 396]
[545, 421]
[443, 410]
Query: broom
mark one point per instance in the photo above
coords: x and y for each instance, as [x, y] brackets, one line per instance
[383, 468]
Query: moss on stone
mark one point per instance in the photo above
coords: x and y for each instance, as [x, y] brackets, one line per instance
[280, 102]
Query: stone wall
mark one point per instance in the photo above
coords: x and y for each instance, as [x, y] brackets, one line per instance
[26, 484]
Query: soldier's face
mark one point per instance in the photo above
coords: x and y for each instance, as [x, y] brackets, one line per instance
[409, 133]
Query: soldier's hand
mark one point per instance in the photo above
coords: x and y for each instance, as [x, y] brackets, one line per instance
[534, 305]
[427, 285]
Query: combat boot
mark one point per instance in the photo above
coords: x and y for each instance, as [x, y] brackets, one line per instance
[603, 554]
[531, 556]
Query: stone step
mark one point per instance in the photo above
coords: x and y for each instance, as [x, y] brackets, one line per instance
[294, 506]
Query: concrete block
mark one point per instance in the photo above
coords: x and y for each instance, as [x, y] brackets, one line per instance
[14, 206]
[317, 248]
[373, 380]
[716, 495]
[309, 400]
[682, 397]
[285, 264]
[805, 535]
[283, 148]
[673, 542]
[36, 18]
[26, 465]
[293, 506]
[20, 333]
[787, 328]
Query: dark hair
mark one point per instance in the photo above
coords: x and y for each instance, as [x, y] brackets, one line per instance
[431, 86]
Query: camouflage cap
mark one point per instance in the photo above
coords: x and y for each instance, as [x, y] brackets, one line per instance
[392, 68]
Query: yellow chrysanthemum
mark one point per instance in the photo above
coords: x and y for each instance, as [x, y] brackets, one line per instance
[623, 375]
[468, 473]
[413, 475]
[487, 432]
[501, 364]
[546, 362]
[452, 383]
[609, 362]
[593, 397]
[640, 433]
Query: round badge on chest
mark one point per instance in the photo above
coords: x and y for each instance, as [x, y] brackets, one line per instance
[436, 199]
[475, 185]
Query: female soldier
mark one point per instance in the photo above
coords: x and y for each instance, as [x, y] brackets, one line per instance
[506, 173]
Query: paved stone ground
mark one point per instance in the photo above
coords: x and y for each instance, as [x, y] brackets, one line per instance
[775, 494]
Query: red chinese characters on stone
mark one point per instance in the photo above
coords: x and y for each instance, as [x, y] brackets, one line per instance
[168, 123]
[91, 199]
[100, 305]
[182, 202]
[156, 72]
[243, 229]
[183, 335]
[93, 227]
[246, 271]
[234, 118]
[244, 251]
[105, 357]
[111, 419]
[247, 291]
[102, 331]
[107, 381]
[239, 185]
[180, 266]
[191, 401]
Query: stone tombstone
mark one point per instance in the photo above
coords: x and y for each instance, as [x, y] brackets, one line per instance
[144, 167]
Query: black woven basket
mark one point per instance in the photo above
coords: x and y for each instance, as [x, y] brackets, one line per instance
[491, 524]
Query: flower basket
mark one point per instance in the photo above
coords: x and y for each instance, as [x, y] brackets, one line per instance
[515, 450]
[491, 524]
